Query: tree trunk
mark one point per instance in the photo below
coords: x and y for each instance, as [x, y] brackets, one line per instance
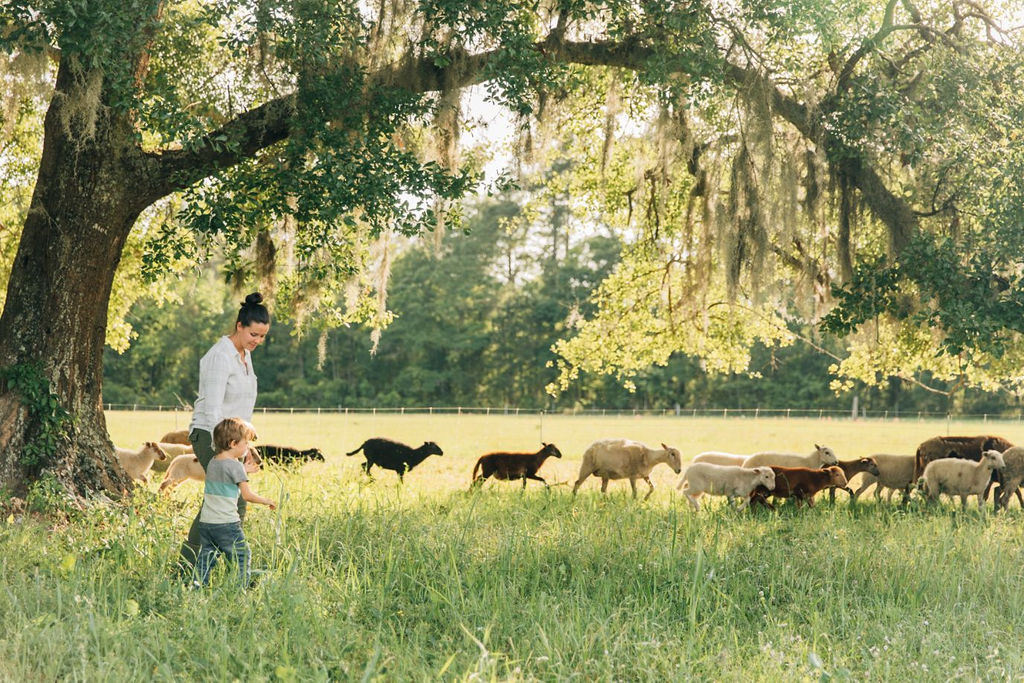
[55, 314]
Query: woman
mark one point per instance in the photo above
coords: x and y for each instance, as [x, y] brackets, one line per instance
[227, 388]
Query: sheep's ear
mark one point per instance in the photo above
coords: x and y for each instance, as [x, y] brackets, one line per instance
[665, 447]
[817, 447]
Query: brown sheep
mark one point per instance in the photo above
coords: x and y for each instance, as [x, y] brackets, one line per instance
[852, 468]
[180, 436]
[510, 466]
[801, 483]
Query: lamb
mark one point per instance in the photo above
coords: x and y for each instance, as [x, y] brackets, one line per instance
[851, 468]
[732, 481]
[179, 436]
[392, 455]
[286, 454]
[1011, 476]
[171, 450]
[625, 459]
[895, 472]
[508, 466]
[821, 456]
[801, 483]
[719, 458]
[960, 477]
[185, 466]
[138, 463]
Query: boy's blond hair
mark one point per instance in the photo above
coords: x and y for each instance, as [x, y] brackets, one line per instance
[231, 429]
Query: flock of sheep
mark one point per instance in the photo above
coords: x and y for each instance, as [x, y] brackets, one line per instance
[951, 465]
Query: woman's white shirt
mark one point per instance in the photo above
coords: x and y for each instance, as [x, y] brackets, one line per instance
[227, 386]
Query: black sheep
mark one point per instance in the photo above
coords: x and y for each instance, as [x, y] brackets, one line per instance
[509, 466]
[392, 455]
[284, 455]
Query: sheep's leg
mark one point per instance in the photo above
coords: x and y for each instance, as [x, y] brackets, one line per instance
[604, 484]
[693, 501]
[906, 495]
[648, 480]
[862, 489]
[1020, 498]
[632, 484]
[535, 478]
[584, 473]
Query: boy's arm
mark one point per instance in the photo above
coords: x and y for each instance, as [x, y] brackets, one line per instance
[252, 497]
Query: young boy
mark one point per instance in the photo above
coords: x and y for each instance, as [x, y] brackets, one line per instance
[220, 528]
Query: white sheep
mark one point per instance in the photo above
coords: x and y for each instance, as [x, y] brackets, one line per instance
[625, 459]
[720, 458]
[821, 456]
[959, 477]
[138, 463]
[171, 450]
[895, 472]
[732, 481]
[185, 466]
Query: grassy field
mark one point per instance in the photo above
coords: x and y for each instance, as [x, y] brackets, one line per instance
[376, 581]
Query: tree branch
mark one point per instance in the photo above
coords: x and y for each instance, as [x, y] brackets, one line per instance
[269, 123]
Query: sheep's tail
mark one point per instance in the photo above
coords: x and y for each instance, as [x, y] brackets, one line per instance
[476, 468]
[358, 449]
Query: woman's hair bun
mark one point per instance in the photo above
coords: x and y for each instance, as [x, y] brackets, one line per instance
[253, 311]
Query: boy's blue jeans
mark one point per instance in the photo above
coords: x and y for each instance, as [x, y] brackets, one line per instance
[222, 538]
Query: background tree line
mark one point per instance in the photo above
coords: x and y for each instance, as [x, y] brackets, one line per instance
[475, 318]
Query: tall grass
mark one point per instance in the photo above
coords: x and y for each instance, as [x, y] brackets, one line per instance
[372, 580]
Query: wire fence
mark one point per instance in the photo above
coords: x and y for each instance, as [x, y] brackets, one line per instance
[724, 413]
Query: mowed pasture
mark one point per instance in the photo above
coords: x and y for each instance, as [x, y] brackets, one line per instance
[426, 581]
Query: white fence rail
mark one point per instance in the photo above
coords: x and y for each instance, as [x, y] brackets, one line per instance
[752, 413]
